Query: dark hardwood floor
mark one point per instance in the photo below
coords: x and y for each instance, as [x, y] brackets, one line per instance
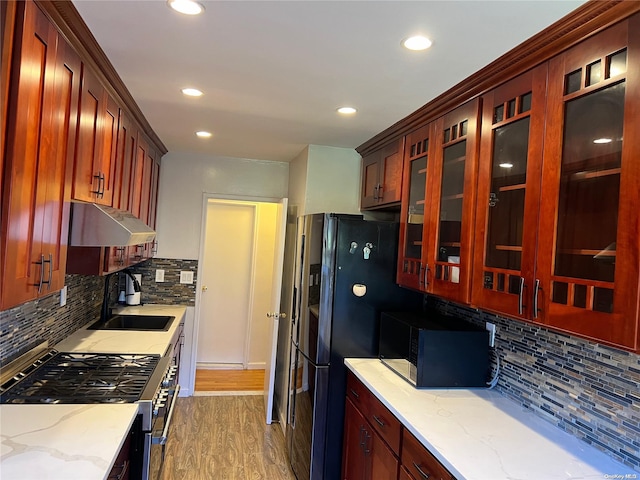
[224, 437]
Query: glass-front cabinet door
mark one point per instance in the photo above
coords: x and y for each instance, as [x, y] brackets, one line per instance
[508, 195]
[450, 222]
[411, 264]
[588, 255]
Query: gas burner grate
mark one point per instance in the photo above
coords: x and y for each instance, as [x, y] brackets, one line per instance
[85, 378]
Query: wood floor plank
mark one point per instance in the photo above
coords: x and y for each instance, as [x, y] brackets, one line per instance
[224, 437]
[229, 380]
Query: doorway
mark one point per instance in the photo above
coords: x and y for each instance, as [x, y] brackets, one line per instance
[238, 247]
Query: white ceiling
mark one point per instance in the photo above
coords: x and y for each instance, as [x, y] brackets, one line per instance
[274, 72]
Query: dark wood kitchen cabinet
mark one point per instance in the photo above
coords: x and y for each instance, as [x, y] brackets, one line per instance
[382, 176]
[371, 436]
[439, 204]
[366, 456]
[418, 463]
[95, 160]
[588, 255]
[510, 167]
[41, 132]
[558, 190]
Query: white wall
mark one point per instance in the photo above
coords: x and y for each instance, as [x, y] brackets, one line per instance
[325, 179]
[184, 178]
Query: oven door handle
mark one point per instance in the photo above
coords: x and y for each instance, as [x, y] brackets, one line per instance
[165, 431]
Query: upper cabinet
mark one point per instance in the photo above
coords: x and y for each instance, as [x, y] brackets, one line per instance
[95, 160]
[509, 194]
[588, 263]
[558, 192]
[382, 176]
[438, 205]
[41, 126]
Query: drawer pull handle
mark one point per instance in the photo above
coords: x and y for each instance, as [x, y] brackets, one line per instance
[354, 393]
[424, 475]
[378, 421]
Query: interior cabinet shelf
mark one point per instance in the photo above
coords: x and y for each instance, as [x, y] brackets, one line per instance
[587, 175]
[451, 161]
[589, 252]
[508, 248]
[507, 188]
[420, 202]
[449, 244]
[422, 170]
[457, 196]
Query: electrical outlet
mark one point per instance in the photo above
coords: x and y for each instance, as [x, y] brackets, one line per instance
[186, 277]
[63, 296]
[492, 333]
[159, 275]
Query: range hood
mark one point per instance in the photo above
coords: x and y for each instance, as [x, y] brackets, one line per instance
[95, 225]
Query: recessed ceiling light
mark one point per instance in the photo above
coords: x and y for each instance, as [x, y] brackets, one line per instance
[203, 134]
[417, 42]
[188, 7]
[347, 110]
[192, 92]
[602, 140]
[506, 165]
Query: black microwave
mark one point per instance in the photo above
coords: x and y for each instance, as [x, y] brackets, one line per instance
[433, 350]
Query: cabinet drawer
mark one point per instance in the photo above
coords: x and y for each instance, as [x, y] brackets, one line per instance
[419, 461]
[385, 423]
[358, 393]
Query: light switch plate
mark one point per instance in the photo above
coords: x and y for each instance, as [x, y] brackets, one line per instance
[159, 275]
[63, 296]
[186, 277]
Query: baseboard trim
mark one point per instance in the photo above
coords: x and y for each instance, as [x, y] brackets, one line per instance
[237, 393]
[219, 366]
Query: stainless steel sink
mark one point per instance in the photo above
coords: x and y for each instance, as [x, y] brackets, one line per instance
[135, 322]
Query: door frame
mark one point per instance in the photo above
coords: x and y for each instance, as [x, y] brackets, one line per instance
[206, 197]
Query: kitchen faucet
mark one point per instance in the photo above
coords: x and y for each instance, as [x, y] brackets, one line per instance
[105, 311]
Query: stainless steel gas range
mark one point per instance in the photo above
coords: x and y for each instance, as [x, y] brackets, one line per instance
[72, 377]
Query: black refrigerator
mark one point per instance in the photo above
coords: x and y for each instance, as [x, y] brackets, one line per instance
[344, 277]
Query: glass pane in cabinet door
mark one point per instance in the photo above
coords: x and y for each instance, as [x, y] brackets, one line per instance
[415, 213]
[506, 205]
[588, 199]
[451, 210]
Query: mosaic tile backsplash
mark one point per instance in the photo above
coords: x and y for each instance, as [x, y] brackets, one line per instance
[27, 325]
[587, 389]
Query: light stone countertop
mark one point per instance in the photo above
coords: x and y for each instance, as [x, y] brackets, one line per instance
[126, 341]
[71, 442]
[479, 434]
[78, 442]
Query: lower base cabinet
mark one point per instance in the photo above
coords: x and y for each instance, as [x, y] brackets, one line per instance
[366, 456]
[377, 447]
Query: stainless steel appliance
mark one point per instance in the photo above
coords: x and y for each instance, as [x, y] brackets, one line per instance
[432, 350]
[344, 278]
[73, 377]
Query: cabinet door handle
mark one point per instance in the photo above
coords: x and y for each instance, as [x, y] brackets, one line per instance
[420, 277]
[101, 185]
[380, 191]
[378, 421]
[361, 437]
[39, 284]
[422, 474]
[50, 262]
[520, 295]
[98, 176]
[536, 290]
[367, 437]
[375, 192]
[426, 273]
[354, 393]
